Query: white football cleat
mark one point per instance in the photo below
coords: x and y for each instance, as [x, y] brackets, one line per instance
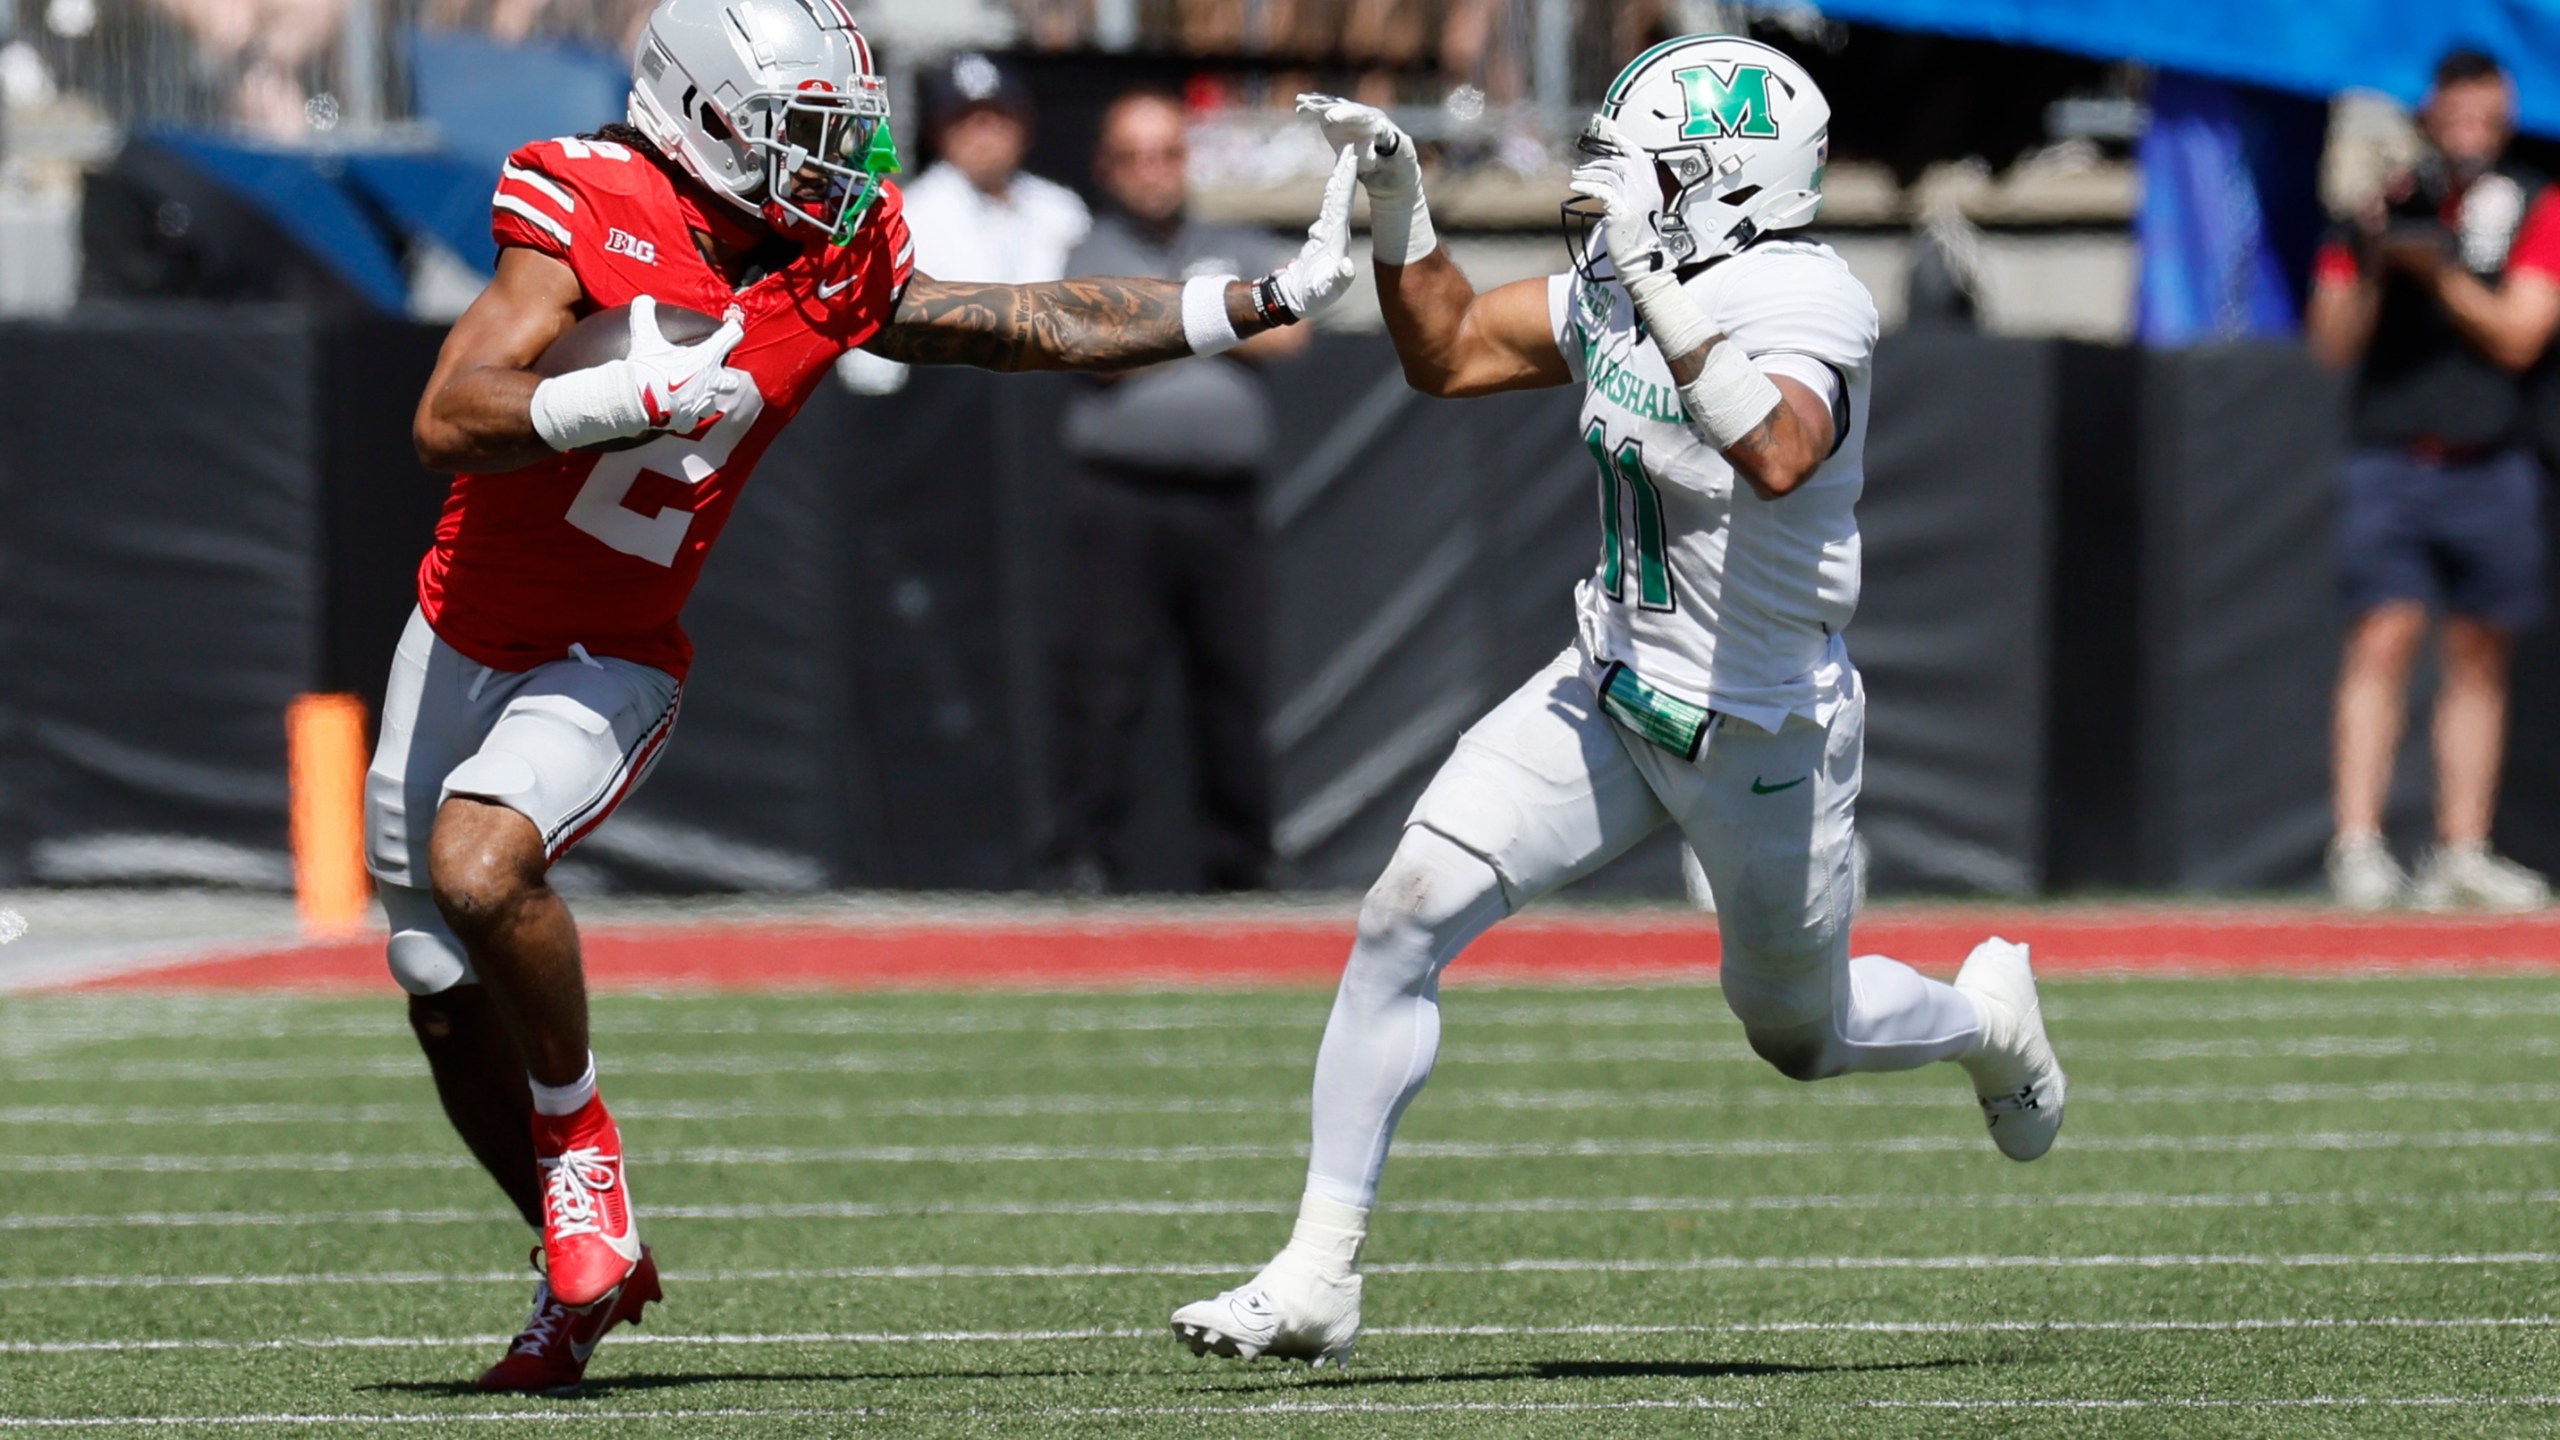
[1288, 1312]
[2015, 1074]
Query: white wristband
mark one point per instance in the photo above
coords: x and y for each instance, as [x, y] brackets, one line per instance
[1400, 227]
[588, 407]
[1204, 315]
[1731, 396]
[1676, 323]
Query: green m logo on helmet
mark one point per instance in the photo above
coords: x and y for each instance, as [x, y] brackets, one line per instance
[1720, 107]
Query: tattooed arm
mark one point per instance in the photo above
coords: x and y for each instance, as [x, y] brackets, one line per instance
[1063, 325]
[1783, 451]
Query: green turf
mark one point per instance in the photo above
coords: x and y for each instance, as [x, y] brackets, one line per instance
[1000, 1197]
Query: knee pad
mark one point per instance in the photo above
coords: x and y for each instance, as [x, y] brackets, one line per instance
[424, 956]
[505, 779]
[1799, 1052]
[1435, 896]
[1785, 1005]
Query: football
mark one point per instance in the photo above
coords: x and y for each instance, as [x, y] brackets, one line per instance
[606, 335]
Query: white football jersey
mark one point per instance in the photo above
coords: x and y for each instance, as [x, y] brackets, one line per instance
[1704, 588]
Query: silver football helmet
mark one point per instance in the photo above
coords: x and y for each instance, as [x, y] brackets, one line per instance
[774, 105]
[1739, 135]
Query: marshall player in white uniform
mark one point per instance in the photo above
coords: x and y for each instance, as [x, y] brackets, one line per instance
[1725, 371]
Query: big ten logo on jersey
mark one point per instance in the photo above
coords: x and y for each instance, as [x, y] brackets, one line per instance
[623, 242]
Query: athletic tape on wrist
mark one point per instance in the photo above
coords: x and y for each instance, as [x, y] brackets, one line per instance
[588, 407]
[1730, 397]
[1204, 315]
[1676, 323]
[1400, 226]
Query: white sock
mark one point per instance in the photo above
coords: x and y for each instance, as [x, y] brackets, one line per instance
[1385, 1031]
[569, 1099]
[1330, 1233]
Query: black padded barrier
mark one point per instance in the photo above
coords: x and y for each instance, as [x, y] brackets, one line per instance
[2098, 630]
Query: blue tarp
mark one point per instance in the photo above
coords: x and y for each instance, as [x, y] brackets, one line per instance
[2310, 47]
[302, 192]
[2230, 210]
[435, 195]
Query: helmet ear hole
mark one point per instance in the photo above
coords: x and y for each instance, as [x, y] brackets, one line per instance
[1741, 196]
[716, 125]
[1669, 182]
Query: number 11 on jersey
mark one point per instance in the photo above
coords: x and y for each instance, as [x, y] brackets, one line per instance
[1624, 469]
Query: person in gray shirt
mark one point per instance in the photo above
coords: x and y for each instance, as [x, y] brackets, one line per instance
[1165, 560]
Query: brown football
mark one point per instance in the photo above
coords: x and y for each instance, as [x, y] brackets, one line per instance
[606, 335]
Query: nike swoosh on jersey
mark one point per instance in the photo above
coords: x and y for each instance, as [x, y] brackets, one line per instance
[829, 292]
[1761, 787]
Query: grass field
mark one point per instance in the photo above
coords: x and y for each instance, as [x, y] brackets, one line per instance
[2282, 1207]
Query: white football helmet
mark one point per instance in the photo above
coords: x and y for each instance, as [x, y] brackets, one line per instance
[775, 105]
[1739, 136]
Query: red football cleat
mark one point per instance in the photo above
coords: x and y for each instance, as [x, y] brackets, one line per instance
[550, 1357]
[590, 1242]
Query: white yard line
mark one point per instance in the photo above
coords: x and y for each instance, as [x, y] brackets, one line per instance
[629, 1338]
[1017, 1106]
[746, 1061]
[1538, 1205]
[343, 1162]
[1676, 1265]
[61, 1020]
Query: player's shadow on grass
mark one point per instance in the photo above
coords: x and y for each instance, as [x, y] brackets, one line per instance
[1620, 1370]
[597, 1389]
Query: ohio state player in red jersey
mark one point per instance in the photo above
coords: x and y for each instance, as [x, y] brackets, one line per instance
[542, 672]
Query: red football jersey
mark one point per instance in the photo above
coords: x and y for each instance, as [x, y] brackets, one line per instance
[601, 549]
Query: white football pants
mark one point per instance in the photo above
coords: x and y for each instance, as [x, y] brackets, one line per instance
[1547, 789]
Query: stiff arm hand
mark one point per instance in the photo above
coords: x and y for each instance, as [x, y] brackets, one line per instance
[1117, 324]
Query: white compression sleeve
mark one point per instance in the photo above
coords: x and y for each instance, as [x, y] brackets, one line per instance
[1385, 1030]
[587, 407]
[1204, 315]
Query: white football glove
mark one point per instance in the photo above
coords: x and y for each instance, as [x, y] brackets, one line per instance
[1321, 275]
[1620, 177]
[684, 387]
[1390, 170]
[658, 385]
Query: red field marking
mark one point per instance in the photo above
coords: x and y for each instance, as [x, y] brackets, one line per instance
[1562, 948]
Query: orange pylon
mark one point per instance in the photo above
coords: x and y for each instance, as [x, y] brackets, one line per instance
[325, 744]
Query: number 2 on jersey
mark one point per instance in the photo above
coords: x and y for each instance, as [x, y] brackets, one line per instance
[658, 538]
[1624, 469]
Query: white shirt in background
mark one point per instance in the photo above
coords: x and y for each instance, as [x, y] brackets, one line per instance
[1021, 237]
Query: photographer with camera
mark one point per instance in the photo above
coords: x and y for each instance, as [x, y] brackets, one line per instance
[2439, 298]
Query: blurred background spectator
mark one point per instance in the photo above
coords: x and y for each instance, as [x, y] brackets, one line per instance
[2440, 294]
[1165, 562]
[975, 212]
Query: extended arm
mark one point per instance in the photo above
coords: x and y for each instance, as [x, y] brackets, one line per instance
[1452, 340]
[1062, 325]
[477, 410]
[1104, 324]
[1456, 342]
